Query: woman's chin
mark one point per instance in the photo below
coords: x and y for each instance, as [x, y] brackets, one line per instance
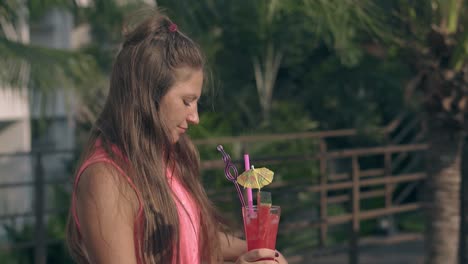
[175, 138]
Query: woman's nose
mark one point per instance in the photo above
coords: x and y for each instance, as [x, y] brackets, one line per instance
[193, 118]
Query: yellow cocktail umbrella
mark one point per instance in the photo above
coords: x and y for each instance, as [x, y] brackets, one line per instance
[255, 178]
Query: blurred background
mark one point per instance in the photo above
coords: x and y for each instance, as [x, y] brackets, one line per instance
[357, 105]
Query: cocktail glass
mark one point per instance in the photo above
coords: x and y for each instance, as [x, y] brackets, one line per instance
[261, 226]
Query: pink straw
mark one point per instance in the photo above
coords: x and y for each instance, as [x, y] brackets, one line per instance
[249, 190]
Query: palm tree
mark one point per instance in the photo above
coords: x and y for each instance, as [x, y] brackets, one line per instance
[43, 71]
[38, 68]
[258, 34]
[432, 38]
[434, 41]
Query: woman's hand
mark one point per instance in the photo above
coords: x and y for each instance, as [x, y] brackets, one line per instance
[281, 258]
[261, 256]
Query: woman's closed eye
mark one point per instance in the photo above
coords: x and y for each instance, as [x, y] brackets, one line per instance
[189, 101]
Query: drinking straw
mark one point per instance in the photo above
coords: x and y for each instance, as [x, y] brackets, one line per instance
[249, 190]
[227, 172]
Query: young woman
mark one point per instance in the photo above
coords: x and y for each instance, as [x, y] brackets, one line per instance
[137, 196]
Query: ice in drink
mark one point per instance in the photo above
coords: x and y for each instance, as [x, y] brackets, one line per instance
[261, 226]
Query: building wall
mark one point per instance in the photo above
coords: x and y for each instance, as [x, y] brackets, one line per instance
[15, 137]
[13, 104]
[18, 114]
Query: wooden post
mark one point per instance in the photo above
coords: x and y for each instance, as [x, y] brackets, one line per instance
[237, 151]
[323, 194]
[40, 250]
[388, 186]
[355, 226]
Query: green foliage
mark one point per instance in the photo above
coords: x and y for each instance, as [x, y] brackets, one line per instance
[106, 18]
[65, 70]
[215, 124]
[343, 25]
[18, 235]
[328, 79]
[305, 240]
[8, 10]
[411, 222]
[37, 8]
[288, 117]
[57, 251]
[320, 40]
[415, 20]
[364, 96]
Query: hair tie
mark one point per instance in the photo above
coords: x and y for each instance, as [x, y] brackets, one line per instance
[172, 27]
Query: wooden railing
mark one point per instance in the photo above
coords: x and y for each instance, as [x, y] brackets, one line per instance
[352, 181]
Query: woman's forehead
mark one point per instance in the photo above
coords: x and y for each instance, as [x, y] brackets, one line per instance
[189, 82]
[183, 74]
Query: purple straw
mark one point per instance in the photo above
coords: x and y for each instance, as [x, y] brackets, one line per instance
[227, 171]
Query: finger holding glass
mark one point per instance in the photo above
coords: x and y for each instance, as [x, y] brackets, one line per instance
[258, 256]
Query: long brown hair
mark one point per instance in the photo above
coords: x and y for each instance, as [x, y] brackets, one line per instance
[143, 72]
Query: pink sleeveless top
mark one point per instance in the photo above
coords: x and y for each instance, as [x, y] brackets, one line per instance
[187, 209]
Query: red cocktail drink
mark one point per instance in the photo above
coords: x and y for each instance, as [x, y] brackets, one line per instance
[261, 226]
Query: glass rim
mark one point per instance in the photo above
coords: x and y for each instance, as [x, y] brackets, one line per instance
[255, 206]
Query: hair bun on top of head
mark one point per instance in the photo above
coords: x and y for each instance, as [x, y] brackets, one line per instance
[153, 20]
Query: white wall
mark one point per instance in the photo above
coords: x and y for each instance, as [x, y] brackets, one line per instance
[56, 30]
[15, 136]
[13, 104]
[16, 112]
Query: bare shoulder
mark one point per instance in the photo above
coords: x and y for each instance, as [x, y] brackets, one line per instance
[106, 208]
[103, 184]
[99, 176]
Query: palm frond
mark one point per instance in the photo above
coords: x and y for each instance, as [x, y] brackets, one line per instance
[45, 69]
[460, 55]
[341, 24]
[449, 13]
[7, 8]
